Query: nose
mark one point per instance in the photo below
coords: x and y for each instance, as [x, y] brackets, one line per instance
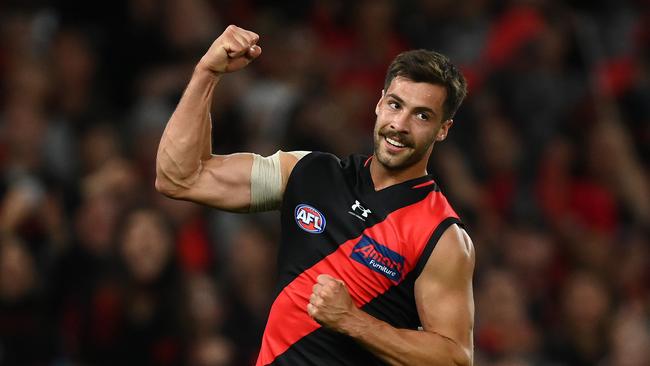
[400, 122]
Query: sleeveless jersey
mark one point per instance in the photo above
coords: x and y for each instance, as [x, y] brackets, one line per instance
[334, 222]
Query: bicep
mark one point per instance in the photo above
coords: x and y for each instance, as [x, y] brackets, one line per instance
[223, 182]
[241, 182]
[443, 292]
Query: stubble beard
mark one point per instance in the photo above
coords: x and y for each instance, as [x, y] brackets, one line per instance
[404, 160]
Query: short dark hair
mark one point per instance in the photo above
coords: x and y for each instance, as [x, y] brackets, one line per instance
[430, 67]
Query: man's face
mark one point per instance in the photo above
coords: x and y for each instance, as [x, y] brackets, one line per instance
[409, 121]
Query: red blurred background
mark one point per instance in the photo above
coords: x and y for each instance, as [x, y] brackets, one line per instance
[547, 163]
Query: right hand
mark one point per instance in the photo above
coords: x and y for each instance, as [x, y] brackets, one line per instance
[233, 50]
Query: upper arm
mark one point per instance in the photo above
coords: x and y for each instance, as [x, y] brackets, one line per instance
[443, 291]
[224, 181]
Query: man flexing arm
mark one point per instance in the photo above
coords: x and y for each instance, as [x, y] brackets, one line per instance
[185, 166]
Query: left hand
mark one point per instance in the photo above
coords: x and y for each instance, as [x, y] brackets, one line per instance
[330, 302]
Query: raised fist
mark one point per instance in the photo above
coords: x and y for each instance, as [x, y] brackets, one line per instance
[233, 50]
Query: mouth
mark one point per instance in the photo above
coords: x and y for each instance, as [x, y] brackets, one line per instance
[393, 142]
[396, 143]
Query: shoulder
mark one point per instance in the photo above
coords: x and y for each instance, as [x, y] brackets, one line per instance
[444, 292]
[452, 256]
[439, 206]
[456, 242]
[319, 160]
[314, 156]
[308, 169]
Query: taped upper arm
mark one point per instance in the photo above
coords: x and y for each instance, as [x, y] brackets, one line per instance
[269, 176]
[443, 291]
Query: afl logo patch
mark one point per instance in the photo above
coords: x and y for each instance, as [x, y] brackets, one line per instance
[309, 219]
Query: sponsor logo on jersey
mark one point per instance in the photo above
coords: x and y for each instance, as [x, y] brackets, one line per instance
[359, 211]
[309, 219]
[378, 258]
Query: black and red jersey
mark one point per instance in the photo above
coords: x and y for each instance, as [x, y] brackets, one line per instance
[377, 242]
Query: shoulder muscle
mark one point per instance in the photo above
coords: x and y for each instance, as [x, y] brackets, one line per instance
[443, 292]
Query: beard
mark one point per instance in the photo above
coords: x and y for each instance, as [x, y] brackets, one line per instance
[412, 153]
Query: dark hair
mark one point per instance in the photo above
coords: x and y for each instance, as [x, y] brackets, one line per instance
[430, 67]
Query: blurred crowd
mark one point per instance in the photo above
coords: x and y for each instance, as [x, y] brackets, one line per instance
[547, 164]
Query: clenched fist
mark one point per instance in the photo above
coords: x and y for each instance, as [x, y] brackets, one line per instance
[233, 50]
[330, 303]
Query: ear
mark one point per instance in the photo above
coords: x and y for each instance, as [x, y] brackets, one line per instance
[379, 102]
[444, 130]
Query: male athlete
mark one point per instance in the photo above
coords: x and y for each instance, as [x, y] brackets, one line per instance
[374, 268]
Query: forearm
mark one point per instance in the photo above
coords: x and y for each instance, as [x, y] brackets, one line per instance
[186, 141]
[403, 346]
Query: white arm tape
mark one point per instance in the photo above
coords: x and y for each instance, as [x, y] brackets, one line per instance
[266, 181]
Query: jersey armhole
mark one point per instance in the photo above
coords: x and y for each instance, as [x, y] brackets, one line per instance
[433, 240]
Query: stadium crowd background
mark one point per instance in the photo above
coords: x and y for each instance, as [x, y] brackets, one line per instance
[547, 164]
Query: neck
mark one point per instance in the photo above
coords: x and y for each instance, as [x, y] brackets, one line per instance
[383, 177]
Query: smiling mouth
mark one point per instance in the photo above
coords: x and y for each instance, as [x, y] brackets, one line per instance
[394, 142]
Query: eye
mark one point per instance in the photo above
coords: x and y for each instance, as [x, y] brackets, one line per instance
[393, 105]
[422, 116]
